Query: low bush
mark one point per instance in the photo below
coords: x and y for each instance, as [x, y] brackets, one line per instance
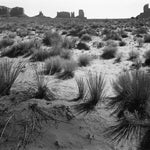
[84, 60]
[83, 46]
[52, 38]
[109, 52]
[122, 43]
[68, 68]
[86, 37]
[40, 55]
[133, 55]
[53, 65]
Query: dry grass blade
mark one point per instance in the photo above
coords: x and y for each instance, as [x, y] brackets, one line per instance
[96, 93]
[81, 89]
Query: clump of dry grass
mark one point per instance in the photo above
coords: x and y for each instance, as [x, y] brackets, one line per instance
[84, 60]
[40, 88]
[133, 55]
[10, 70]
[109, 52]
[53, 65]
[68, 68]
[93, 94]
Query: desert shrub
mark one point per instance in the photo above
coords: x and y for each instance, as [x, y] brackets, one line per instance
[112, 36]
[5, 42]
[52, 38]
[65, 53]
[53, 65]
[41, 88]
[122, 43]
[86, 37]
[20, 49]
[109, 52]
[133, 55]
[55, 51]
[130, 105]
[83, 46]
[68, 43]
[84, 60]
[93, 94]
[147, 57]
[123, 34]
[40, 55]
[147, 38]
[10, 70]
[68, 68]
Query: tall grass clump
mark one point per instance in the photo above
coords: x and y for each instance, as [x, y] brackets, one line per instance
[68, 68]
[10, 70]
[94, 93]
[40, 88]
[53, 65]
[129, 105]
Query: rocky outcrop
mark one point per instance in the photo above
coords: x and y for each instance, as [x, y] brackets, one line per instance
[63, 14]
[12, 12]
[17, 12]
[146, 12]
[81, 14]
[4, 11]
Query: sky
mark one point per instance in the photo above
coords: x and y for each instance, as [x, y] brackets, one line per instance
[92, 8]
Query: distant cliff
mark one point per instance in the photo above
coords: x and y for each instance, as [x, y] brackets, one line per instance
[11, 12]
[64, 14]
[146, 12]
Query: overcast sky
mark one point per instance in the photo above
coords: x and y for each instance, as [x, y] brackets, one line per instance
[92, 8]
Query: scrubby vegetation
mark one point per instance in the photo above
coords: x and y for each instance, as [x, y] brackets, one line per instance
[70, 58]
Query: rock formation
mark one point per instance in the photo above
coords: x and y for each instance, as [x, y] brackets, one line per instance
[12, 12]
[4, 11]
[146, 13]
[63, 14]
[17, 12]
[72, 15]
